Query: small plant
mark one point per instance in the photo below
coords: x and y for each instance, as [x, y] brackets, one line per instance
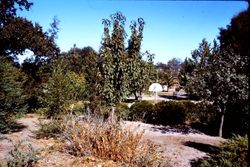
[22, 156]
[232, 153]
[51, 128]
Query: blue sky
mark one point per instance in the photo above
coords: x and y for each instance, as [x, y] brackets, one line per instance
[173, 28]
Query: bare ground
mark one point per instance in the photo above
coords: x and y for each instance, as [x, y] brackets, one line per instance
[179, 147]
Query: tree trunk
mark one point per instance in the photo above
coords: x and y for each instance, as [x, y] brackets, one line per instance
[221, 124]
[136, 97]
[113, 114]
[140, 96]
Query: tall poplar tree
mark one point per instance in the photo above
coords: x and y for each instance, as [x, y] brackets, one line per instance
[113, 83]
[138, 70]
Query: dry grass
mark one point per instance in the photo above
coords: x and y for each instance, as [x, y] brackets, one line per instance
[105, 141]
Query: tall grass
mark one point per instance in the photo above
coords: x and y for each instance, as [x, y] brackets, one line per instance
[96, 138]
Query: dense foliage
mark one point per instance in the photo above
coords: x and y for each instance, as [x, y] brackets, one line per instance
[138, 71]
[141, 111]
[84, 62]
[218, 73]
[20, 87]
[201, 116]
[232, 153]
[112, 54]
[62, 89]
[167, 74]
[12, 95]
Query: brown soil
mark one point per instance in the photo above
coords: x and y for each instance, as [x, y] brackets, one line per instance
[178, 148]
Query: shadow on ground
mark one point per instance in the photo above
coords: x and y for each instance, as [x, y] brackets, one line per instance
[207, 148]
[11, 127]
[211, 129]
[175, 129]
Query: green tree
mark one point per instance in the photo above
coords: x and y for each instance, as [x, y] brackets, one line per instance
[216, 77]
[85, 62]
[202, 78]
[113, 86]
[8, 9]
[138, 70]
[63, 88]
[236, 37]
[168, 73]
[19, 35]
[32, 86]
[187, 67]
[12, 96]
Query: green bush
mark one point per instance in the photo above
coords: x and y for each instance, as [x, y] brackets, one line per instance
[122, 111]
[191, 111]
[49, 129]
[141, 111]
[232, 153]
[199, 112]
[174, 113]
[170, 113]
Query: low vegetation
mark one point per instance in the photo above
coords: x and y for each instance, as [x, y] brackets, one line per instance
[52, 128]
[22, 155]
[173, 112]
[141, 111]
[231, 153]
[93, 137]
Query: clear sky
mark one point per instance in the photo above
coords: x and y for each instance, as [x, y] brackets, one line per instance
[173, 28]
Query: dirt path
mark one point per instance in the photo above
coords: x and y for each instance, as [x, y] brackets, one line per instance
[180, 148]
[25, 135]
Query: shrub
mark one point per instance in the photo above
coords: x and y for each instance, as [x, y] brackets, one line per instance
[51, 128]
[105, 141]
[22, 156]
[122, 111]
[199, 112]
[169, 113]
[232, 153]
[191, 111]
[79, 107]
[141, 111]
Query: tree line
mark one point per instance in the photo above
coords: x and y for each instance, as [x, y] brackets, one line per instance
[51, 80]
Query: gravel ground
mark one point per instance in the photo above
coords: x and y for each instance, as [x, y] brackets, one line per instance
[179, 146]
